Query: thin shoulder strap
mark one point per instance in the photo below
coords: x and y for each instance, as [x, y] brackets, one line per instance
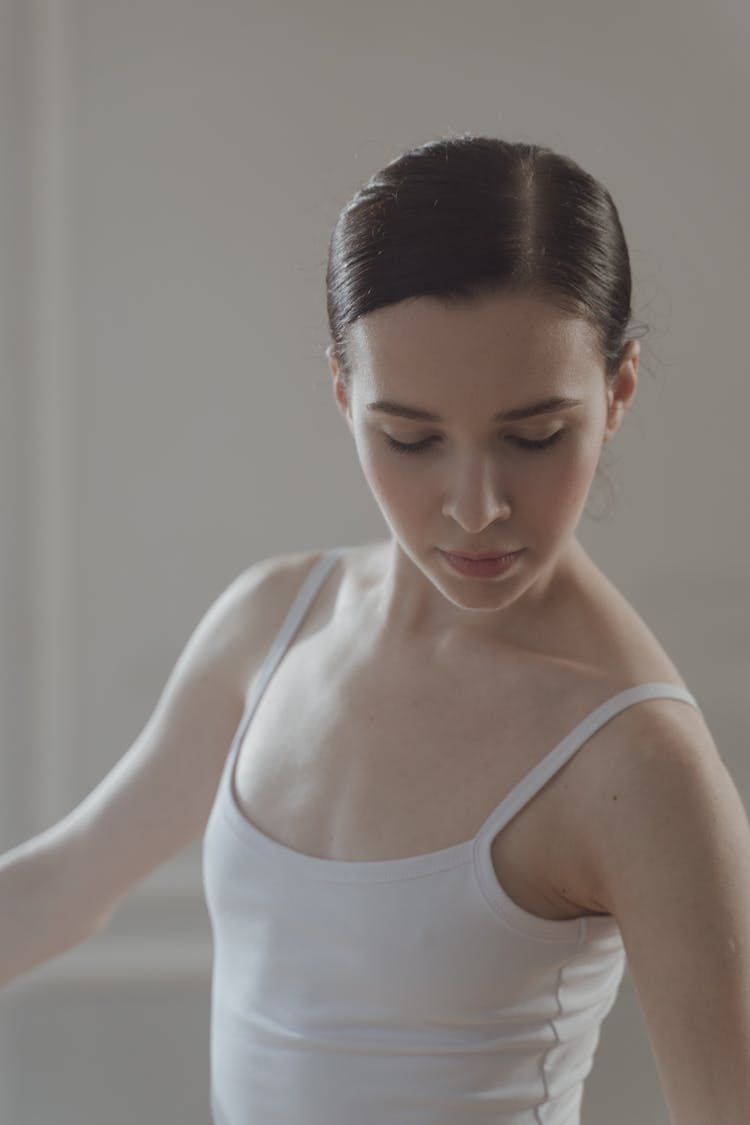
[289, 626]
[536, 778]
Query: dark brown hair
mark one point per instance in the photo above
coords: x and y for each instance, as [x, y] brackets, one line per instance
[463, 217]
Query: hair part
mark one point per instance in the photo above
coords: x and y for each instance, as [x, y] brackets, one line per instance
[465, 217]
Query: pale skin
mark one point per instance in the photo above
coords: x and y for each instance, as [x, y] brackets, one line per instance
[654, 831]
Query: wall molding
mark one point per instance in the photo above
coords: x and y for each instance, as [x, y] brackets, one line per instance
[51, 567]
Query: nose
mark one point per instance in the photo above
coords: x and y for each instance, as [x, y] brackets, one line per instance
[474, 497]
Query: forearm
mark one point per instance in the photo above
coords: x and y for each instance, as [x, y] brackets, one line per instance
[38, 918]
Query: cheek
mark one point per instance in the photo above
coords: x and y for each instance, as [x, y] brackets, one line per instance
[404, 491]
[393, 483]
[550, 492]
[572, 483]
[378, 472]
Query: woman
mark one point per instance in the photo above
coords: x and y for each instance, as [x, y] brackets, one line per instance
[474, 783]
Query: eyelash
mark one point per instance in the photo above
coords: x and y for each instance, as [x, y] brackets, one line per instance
[524, 443]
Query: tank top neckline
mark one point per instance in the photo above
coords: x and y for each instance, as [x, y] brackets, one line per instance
[422, 863]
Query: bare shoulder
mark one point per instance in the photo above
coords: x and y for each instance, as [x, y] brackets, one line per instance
[263, 593]
[257, 601]
[651, 762]
[655, 746]
[651, 734]
[669, 852]
[270, 576]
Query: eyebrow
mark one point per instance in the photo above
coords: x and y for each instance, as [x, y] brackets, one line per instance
[546, 406]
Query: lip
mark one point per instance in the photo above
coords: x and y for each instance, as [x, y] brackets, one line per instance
[484, 555]
[481, 566]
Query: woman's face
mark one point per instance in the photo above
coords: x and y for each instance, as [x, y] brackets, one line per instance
[490, 471]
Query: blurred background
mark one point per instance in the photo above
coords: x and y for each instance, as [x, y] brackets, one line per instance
[172, 171]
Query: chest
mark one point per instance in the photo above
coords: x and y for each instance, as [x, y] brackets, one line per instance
[377, 760]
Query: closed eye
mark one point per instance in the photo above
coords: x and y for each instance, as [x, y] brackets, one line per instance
[427, 443]
[543, 443]
[408, 447]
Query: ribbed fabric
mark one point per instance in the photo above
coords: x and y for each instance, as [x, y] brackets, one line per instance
[411, 991]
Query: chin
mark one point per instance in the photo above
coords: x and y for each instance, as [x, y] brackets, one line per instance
[477, 596]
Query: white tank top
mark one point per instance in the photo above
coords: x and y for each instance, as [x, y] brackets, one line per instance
[411, 991]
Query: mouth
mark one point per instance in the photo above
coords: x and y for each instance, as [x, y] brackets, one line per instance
[484, 555]
[481, 566]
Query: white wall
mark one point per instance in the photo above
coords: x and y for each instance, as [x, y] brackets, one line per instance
[172, 172]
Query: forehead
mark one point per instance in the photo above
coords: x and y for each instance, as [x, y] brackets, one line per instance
[518, 337]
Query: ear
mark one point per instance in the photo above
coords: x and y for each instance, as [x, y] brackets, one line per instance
[622, 388]
[339, 390]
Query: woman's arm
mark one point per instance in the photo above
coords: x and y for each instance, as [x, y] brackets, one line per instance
[672, 862]
[36, 921]
[63, 885]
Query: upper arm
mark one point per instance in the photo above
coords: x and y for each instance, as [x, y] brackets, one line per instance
[158, 796]
[672, 863]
